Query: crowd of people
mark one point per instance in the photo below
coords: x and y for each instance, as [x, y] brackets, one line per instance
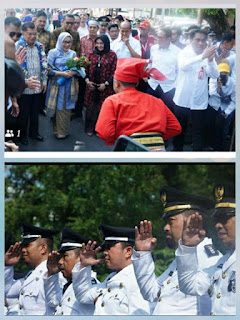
[199, 281]
[198, 86]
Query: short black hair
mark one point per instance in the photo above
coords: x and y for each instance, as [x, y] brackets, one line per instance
[228, 37]
[193, 33]
[114, 25]
[128, 84]
[12, 20]
[40, 13]
[178, 29]
[233, 28]
[27, 25]
[167, 31]
[119, 17]
[193, 26]
[76, 15]
[68, 15]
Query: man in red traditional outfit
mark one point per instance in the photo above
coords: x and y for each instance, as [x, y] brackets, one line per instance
[133, 113]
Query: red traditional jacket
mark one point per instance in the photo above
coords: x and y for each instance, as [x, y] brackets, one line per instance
[132, 111]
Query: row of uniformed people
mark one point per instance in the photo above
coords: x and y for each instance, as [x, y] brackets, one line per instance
[200, 281]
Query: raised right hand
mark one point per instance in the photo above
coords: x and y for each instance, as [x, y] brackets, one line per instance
[88, 254]
[144, 241]
[209, 51]
[52, 263]
[13, 255]
[193, 232]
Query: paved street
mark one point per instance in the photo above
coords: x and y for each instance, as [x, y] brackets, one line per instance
[77, 139]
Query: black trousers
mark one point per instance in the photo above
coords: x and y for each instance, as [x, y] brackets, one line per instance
[198, 118]
[29, 109]
[166, 97]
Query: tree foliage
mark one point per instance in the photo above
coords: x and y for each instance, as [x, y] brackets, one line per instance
[84, 196]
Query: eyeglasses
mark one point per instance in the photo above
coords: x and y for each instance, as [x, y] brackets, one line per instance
[13, 34]
[68, 22]
[67, 42]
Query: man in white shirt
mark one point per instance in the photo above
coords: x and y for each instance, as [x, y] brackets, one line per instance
[222, 104]
[164, 290]
[35, 247]
[196, 63]
[118, 294]
[164, 56]
[219, 280]
[63, 297]
[125, 46]
[83, 28]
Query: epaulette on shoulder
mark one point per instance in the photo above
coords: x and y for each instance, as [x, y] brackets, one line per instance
[210, 250]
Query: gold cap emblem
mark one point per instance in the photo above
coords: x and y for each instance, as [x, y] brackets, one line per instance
[219, 192]
[164, 198]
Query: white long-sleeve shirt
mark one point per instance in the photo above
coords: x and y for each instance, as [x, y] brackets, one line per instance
[226, 100]
[118, 294]
[166, 61]
[122, 51]
[192, 82]
[218, 281]
[164, 290]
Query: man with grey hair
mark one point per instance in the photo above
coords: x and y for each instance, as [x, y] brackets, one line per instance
[125, 46]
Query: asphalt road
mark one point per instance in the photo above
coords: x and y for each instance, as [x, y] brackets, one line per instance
[77, 140]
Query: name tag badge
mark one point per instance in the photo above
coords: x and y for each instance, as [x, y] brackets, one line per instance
[201, 74]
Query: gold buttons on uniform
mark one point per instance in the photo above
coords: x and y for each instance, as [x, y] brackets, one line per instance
[60, 305]
[101, 290]
[62, 312]
[121, 285]
[160, 299]
[31, 293]
[177, 286]
[109, 289]
[219, 295]
[168, 281]
[20, 307]
[224, 275]
[212, 314]
[22, 293]
[69, 299]
[103, 304]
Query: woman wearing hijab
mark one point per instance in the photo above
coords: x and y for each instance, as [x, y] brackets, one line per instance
[99, 80]
[61, 99]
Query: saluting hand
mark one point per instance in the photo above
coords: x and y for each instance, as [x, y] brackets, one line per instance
[88, 254]
[13, 255]
[52, 263]
[144, 241]
[193, 232]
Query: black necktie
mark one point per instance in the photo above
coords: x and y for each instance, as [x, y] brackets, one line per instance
[66, 286]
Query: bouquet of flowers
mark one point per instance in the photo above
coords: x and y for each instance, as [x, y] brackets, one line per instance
[75, 64]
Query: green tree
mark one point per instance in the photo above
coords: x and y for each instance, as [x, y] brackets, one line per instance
[84, 196]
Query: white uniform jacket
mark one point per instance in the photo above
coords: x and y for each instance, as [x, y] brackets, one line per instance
[65, 304]
[29, 290]
[218, 281]
[192, 82]
[164, 290]
[117, 295]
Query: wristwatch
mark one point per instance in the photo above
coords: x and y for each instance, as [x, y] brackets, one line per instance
[106, 83]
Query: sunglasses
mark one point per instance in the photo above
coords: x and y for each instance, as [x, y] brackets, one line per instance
[13, 34]
[67, 22]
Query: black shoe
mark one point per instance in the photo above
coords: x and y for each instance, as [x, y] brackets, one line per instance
[24, 141]
[43, 112]
[37, 137]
